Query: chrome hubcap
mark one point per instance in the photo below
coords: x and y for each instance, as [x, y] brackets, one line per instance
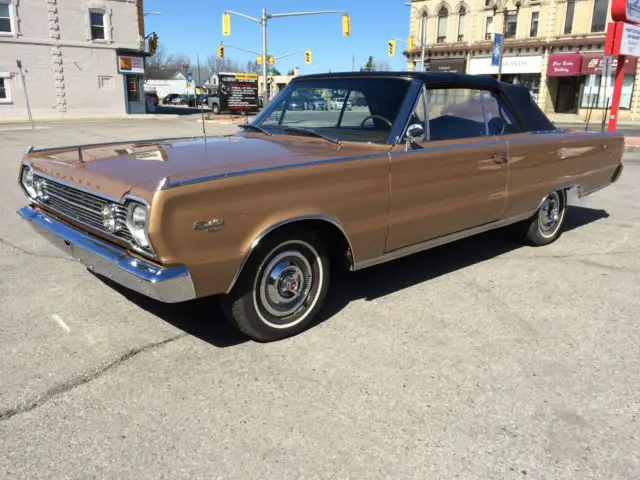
[285, 284]
[549, 216]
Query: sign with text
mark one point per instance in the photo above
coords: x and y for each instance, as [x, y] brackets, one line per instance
[629, 40]
[592, 64]
[625, 11]
[128, 64]
[238, 92]
[564, 65]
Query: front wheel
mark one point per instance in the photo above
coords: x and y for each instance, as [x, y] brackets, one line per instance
[215, 108]
[545, 226]
[281, 287]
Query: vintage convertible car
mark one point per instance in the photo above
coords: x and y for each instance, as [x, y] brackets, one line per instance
[260, 217]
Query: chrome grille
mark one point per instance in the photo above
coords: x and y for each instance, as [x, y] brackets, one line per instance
[82, 206]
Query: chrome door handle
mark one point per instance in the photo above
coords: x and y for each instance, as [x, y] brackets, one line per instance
[500, 158]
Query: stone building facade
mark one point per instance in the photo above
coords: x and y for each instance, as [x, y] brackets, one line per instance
[79, 58]
[554, 47]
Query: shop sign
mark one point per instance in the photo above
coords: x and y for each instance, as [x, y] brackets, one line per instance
[451, 65]
[625, 11]
[564, 65]
[592, 64]
[128, 64]
[630, 40]
[510, 65]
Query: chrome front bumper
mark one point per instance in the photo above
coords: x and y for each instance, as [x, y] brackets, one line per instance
[170, 285]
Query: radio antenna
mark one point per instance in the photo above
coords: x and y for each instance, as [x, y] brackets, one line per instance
[204, 128]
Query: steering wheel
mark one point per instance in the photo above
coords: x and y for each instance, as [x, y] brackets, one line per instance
[375, 116]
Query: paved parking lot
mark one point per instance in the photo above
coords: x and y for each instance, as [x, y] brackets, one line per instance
[480, 359]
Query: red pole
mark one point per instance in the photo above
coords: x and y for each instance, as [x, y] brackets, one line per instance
[617, 92]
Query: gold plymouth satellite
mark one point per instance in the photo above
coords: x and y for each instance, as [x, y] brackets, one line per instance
[260, 217]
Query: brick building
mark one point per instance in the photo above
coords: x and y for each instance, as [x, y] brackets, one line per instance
[554, 47]
[80, 58]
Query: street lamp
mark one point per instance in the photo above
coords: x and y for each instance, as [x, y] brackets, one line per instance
[152, 13]
[423, 34]
[505, 12]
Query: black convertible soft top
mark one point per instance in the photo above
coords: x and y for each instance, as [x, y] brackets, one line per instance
[530, 116]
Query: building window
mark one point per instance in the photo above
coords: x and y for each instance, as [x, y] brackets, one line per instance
[594, 94]
[5, 17]
[443, 17]
[568, 19]
[512, 23]
[98, 29]
[487, 3]
[5, 96]
[488, 28]
[533, 32]
[599, 17]
[462, 15]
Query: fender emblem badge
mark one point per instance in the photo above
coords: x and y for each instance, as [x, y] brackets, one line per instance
[213, 225]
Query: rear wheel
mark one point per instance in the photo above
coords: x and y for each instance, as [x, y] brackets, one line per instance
[545, 226]
[215, 108]
[281, 287]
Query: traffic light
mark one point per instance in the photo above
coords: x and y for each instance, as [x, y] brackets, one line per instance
[226, 24]
[346, 25]
[392, 48]
[220, 51]
[307, 56]
[410, 44]
[259, 60]
[271, 60]
[153, 44]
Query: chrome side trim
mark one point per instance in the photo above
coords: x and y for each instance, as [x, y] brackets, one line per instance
[289, 221]
[166, 284]
[108, 144]
[489, 141]
[436, 242]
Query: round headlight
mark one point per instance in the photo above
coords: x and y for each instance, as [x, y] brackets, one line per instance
[27, 181]
[138, 225]
[109, 218]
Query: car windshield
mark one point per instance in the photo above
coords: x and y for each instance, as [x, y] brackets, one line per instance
[348, 109]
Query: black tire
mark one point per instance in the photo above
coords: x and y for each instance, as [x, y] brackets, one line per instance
[545, 226]
[252, 305]
[215, 108]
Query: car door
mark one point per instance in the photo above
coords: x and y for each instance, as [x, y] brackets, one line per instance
[452, 178]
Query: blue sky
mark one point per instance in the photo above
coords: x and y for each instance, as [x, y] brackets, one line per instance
[194, 27]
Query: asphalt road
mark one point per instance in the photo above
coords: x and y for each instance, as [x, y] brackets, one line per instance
[481, 359]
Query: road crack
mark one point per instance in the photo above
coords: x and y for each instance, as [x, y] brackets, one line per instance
[83, 379]
[34, 254]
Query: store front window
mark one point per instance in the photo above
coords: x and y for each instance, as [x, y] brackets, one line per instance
[133, 92]
[598, 95]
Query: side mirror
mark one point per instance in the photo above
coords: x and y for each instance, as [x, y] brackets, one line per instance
[414, 131]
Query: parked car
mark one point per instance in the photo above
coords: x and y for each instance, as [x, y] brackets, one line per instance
[152, 96]
[337, 103]
[264, 217]
[169, 98]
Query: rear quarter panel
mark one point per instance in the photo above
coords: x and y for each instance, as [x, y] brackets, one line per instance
[354, 193]
[540, 163]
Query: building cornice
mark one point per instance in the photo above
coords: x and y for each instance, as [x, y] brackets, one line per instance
[63, 43]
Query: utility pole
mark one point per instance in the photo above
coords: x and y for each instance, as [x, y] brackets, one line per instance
[505, 13]
[262, 21]
[353, 62]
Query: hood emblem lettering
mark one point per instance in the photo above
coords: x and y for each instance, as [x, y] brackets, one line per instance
[213, 225]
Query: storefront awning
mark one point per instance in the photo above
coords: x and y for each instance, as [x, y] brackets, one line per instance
[592, 64]
[564, 65]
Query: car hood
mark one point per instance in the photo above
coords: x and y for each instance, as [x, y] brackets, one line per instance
[114, 170]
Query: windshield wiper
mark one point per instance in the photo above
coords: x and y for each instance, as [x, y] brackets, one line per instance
[255, 127]
[313, 132]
